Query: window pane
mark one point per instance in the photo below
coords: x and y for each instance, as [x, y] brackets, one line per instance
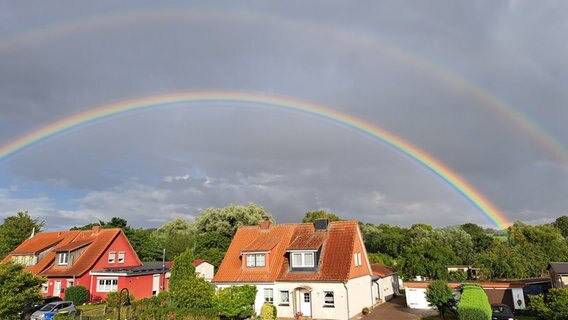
[309, 259]
[328, 298]
[250, 260]
[296, 259]
[268, 295]
[260, 260]
[284, 297]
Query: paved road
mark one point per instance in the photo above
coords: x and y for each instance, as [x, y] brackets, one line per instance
[396, 309]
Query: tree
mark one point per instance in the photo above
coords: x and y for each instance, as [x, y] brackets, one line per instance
[77, 294]
[17, 287]
[211, 246]
[310, 216]
[481, 241]
[194, 293]
[182, 270]
[15, 230]
[561, 223]
[236, 301]
[441, 297]
[175, 237]
[550, 306]
[225, 221]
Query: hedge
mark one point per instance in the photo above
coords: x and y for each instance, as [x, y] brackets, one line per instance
[77, 294]
[474, 304]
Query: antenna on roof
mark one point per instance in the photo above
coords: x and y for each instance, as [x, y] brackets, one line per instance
[33, 233]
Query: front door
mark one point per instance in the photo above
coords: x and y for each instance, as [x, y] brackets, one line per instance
[57, 288]
[306, 303]
[156, 285]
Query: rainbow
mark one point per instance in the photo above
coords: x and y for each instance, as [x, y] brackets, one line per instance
[349, 39]
[191, 98]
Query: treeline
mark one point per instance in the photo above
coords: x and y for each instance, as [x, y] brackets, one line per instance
[521, 251]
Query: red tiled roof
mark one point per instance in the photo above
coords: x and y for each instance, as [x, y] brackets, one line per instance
[100, 241]
[381, 270]
[197, 262]
[74, 245]
[337, 248]
[261, 244]
[484, 285]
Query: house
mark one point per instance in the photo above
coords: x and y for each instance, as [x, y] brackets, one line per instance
[509, 293]
[319, 269]
[385, 282]
[101, 260]
[558, 274]
[204, 269]
[471, 272]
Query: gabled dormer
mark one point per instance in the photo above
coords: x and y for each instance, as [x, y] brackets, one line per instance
[304, 251]
[67, 255]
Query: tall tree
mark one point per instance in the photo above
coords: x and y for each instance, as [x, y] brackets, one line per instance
[211, 246]
[225, 221]
[15, 230]
[310, 216]
[175, 237]
[17, 287]
[561, 223]
[441, 297]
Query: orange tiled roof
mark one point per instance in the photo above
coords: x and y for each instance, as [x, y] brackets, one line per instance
[381, 270]
[100, 241]
[231, 269]
[261, 244]
[74, 245]
[337, 247]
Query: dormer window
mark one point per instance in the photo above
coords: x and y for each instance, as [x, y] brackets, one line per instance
[111, 257]
[256, 260]
[121, 257]
[63, 258]
[303, 259]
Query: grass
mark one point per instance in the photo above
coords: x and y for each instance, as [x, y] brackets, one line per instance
[93, 310]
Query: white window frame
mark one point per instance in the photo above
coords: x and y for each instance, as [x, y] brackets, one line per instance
[112, 257]
[45, 287]
[284, 293]
[325, 303]
[268, 295]
[70, 283]
[64, 258]
[253, 260]
[120, 257]
[303, 259]
[110, 287]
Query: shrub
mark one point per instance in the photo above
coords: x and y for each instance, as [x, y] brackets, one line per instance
[193, 293]
[550, 306]
[268, 312]
[365, 311]
[457, 276]
[236, 301]
[78, 295]
[441, 297]
[96, 299]
[113, 297]
[474, 304]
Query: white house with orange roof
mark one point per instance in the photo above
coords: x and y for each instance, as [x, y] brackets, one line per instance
[319, 269]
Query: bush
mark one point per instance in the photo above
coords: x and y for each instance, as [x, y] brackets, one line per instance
[474, 304]
[365, 311]
[193, 293]
[457, 276]
[113, 297]
[550, 306]
[236, 301]
[268, 312]
[78, 295]
[441, 297]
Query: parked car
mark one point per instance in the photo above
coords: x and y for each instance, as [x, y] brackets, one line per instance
[501, 312]
[28, 309]
[55, 308]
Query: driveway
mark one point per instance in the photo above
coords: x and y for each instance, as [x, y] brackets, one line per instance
[396, 309]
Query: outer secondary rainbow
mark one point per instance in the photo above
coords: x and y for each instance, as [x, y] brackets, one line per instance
[192, 98]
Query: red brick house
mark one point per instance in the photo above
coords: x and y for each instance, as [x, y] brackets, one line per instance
[319, 269]
[101, 260]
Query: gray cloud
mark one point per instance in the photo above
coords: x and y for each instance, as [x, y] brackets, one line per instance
[174, 161]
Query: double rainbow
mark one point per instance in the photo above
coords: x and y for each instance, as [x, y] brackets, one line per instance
[191, 98]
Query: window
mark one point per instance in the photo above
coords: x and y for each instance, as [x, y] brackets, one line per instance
[70, 283]
[357, 259]
[44, 287]
[303, 260]
[64, 258]
[284, 297]
[328, 299]
[306, 297]
[111, 257]
[268, 295]
[107, 284]
[256, 260]
[121, 257]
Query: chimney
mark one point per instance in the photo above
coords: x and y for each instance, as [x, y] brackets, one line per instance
[96, 229]
[321, 224]
[33, 233]
[264, 224]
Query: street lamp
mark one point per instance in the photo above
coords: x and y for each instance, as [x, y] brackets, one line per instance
[126, 300]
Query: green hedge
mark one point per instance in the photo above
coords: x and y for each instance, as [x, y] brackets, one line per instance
[77, 294]
[474, 304]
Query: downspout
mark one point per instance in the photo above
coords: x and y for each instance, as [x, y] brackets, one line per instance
[347, 296]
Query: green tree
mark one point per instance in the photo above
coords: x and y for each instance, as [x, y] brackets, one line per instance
[182, 270]
[77, 294]
[550, 306]
[211, 246]
[225, 221]
[15, 230]
[561, 223]
[385, 239]
[175, 237]
[194, 293]
[17, 287]
[236, 301]
[310, 216]
[441, 297]
[382, 258]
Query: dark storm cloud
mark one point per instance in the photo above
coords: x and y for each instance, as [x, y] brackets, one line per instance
[173, 162]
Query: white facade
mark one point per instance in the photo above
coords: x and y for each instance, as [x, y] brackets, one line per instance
[205, 270]
[386, 288]
[416, 298]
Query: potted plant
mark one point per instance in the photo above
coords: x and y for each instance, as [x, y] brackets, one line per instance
[299, 315]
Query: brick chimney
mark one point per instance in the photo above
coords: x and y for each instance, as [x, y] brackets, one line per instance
[96, 229]
[265, 224]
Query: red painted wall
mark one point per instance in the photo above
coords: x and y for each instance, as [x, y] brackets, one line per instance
[119, 244]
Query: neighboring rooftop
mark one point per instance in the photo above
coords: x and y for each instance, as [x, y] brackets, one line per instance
[558, 267]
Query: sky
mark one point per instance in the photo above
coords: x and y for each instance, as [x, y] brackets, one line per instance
[479, 85]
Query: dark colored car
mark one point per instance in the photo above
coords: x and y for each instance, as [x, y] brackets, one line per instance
[27, 311]
[501, 312]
